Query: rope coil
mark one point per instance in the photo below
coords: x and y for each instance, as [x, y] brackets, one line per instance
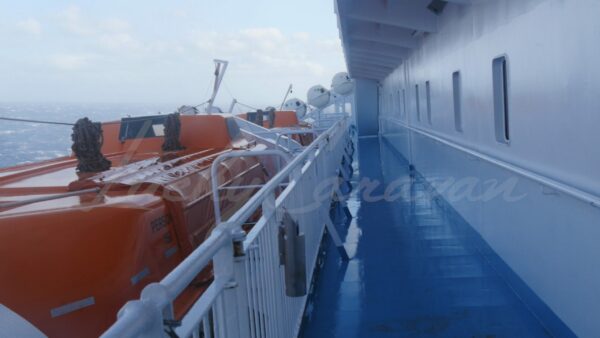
[87, 144]
[172, 126]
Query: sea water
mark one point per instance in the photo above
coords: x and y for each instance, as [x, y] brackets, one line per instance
[22, 142]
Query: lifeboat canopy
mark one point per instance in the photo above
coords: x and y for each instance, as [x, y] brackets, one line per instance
[296, 105]
[342, 84]
[318, 96]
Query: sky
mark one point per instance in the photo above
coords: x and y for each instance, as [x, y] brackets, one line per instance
[161, 51]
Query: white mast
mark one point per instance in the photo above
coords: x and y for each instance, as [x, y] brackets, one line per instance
[220, 68]
[233, 103]
[289, 90]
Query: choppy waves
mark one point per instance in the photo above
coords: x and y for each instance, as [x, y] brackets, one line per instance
[30, 142]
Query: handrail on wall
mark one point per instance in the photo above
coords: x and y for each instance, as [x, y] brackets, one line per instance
[541, 179]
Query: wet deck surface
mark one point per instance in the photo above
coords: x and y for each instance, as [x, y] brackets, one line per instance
[416, 270]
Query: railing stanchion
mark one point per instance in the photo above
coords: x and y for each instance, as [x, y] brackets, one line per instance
[241, 295]
[227, 309]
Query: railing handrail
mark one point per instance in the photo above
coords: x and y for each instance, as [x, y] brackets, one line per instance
[241, 215]
[179, 278]
[51, 197]
[256, 130]
[214, 178]
[288, 133]
[552, 183]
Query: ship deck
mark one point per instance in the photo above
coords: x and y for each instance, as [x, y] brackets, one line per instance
[416, 268]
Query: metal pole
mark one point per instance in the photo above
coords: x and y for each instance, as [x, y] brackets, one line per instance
[233, 103]
[36, 121]
[48, 198]
[285, 97]
[220, 68]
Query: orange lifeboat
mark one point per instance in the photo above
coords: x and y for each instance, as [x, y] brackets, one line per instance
[76, 246]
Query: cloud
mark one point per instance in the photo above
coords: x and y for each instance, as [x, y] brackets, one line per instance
[118, 41]
[73, 20]
[180, 14]
[70, 62]
[331, 45]
[108, 33]
[301, 36]
[266, 39]
[111, 33]
[266, 48]
[96, 49]
[115, 25]
[30, 26]
[265, 60]
[270, 33]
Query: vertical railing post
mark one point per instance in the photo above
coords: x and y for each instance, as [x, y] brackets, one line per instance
[241, 292]
[226, 310]
[140, 311]
[268, 206]
[157, 296]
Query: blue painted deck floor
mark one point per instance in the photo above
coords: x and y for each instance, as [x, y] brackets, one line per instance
[415, 270]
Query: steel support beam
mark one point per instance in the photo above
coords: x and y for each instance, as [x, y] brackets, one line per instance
[379, 62]
[362, 30]
[411, 14]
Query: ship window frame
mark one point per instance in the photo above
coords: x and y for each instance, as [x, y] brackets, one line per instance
[457, 100]
[500, 79]
[399, 102]
[404, 102]
[418, 103]
[428, 100]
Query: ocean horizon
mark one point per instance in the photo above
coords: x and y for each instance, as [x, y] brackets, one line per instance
[25, 142]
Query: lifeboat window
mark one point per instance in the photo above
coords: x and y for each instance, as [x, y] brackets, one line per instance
[428, 96]
[501, 111]
[142, 127]
[418, 103]
[159, 129]
[457, 95]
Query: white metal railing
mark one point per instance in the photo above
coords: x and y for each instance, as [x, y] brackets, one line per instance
[288, 135]
[248, 297]
[320, 119]
[269, 135]
[214, 181]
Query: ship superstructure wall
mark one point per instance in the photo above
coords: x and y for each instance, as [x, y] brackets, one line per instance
[526, 76]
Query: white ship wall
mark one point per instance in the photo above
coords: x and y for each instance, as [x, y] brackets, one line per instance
[549, 238]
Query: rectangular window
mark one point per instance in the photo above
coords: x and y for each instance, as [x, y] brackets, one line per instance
[404, 102]
[418, 102]
[457, 96]
[380, 101]
[400, 110]
[428, 96]
[500, 79]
